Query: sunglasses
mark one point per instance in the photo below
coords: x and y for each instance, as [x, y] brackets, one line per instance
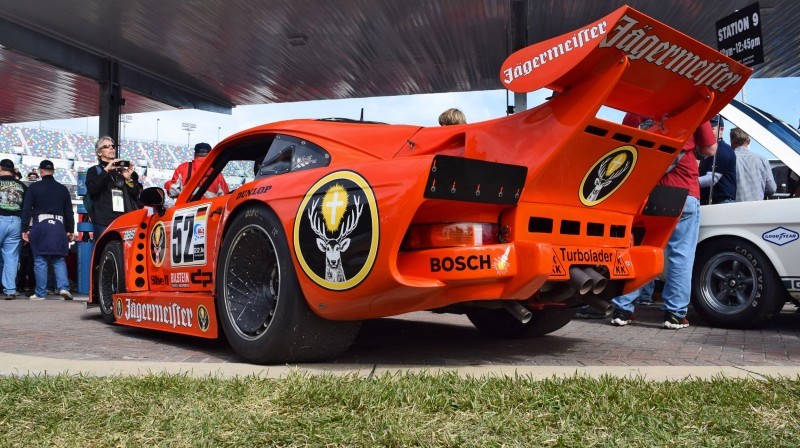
[108, 146]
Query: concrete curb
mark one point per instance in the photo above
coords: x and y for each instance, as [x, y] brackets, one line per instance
[22, 365]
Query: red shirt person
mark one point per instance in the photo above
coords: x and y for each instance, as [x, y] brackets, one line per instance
[186, 170]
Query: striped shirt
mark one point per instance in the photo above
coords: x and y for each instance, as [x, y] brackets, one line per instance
[753, 176]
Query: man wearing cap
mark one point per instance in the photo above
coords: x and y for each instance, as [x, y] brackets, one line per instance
[110, 187]
[12, 192]
[723, 167]
[47, 224]
[186, 170]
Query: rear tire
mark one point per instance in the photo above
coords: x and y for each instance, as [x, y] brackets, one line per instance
[110, 279]
[501, 324]
[260, 305]
[734, 285]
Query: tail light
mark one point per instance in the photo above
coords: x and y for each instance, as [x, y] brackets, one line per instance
[428, 236]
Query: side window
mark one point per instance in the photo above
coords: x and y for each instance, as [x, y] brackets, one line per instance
[289, 153]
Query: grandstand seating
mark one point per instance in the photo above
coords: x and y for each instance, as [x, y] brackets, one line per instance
[72, 153]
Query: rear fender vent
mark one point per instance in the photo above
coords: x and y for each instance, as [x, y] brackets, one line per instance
[540, 225]
[570, 227]
[622, 137]
[594, 130]
[617, 232]
[595, 229]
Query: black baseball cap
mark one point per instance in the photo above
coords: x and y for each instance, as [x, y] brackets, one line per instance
[46, 165]
[202, 149]
[717, 119]
[7, 164]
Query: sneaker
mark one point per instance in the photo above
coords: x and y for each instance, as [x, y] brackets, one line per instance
[590, 312]
[622, 318]
[65, 294]
[35, 297]
[11, 296]
[645, 301]
[674, 322]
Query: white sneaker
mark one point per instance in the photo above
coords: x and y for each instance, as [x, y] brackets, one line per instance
[35, 297]
[65, 294]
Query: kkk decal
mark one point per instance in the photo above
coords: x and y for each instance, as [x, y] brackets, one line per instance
[158, 244]
[336, 231]
[607, 175]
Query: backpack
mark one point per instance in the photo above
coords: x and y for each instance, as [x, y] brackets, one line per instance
[87, 200]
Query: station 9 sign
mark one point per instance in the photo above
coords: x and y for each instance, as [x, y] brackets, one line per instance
[739, 36]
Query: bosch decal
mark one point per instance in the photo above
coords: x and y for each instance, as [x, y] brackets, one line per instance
[780, 236]
[158, 244]
[501, 264]
[336, 231]
[607, 175]
[188, 240]
[461, 263]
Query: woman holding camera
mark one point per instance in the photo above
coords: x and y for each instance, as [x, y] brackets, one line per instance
[109, 186]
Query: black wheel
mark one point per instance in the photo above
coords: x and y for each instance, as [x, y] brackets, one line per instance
[260, 305]
[110, 279]
[500, 323]
[734, 285]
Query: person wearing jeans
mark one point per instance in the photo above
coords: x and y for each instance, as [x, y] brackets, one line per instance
[683, 241]
[680, 259]
[12, 192]
[47, 209]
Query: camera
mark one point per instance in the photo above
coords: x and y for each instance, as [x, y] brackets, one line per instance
[123, 164]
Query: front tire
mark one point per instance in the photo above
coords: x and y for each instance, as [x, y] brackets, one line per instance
[501, 324]
[260, 305]
[110, 279]
[734, 285]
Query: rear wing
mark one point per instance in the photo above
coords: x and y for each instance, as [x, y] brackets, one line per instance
[669, 76]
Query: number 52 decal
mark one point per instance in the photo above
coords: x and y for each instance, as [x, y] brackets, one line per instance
[188, 241]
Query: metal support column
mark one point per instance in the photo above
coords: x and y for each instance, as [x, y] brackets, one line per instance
[518, 34]
[111, 101]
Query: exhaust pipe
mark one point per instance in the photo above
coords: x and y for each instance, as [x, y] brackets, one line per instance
[517, 310]
[579, 280]
[596, 302]
[599, 282]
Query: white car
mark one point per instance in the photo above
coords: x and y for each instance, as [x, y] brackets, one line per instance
[747, 264]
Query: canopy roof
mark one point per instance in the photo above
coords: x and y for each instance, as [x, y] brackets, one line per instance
[217, 54]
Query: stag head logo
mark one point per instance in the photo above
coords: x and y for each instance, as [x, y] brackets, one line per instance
[336, 231]
[607, 175]
[334, 205]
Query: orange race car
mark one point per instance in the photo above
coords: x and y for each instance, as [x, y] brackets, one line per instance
[515, 221]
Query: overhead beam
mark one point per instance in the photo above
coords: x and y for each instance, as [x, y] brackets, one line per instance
[75, 59]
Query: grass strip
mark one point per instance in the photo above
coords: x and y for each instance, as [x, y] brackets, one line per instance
[405, 409]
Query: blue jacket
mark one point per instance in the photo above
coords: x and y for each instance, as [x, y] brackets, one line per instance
[725, 188]
[47, 212]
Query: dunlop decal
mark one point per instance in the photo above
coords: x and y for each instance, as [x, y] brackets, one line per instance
[336, 231]
[158, 244]
[607, 175]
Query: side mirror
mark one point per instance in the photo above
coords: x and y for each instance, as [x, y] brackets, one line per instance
[152, 197]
